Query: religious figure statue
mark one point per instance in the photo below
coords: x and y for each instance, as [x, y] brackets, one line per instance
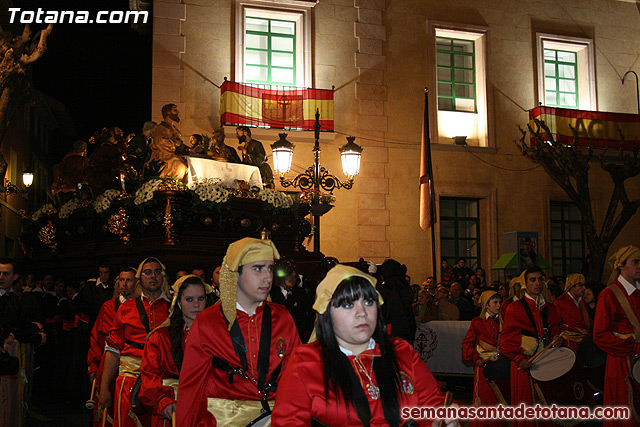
[106, 158]
[73, 170]
[166, 145]
[220, 151]
[138, 151]
[253, 154]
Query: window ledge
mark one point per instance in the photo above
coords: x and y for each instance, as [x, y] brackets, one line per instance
[271, 135]
[451, 147]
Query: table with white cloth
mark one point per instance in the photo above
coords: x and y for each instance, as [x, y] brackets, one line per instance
[200, 169]
[439, 344]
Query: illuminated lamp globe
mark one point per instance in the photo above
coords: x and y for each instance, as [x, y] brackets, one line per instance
[27, 179]
[351, 154]
[282, 151]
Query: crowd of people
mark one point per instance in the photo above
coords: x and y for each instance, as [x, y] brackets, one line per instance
[225, 348]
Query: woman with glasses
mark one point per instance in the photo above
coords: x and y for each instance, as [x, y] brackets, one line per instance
[164, 349]
[355, 374]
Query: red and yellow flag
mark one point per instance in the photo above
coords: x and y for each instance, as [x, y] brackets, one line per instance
[599, 128]
[248, 105]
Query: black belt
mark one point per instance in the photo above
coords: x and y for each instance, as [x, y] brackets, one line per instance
[138, 345]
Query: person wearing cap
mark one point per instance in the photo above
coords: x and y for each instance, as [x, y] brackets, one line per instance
[617, 311]
[480, 347]
[164, 350]
[237, 349]
[124, 290]
[354, 374]
[576, 323]
[529, 325]
[126, 341]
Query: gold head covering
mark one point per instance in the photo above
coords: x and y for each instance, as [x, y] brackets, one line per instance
[241, 252]
[165, 281]
[176, 290]
[572, 280]
[516, 285]
[328, 285]
[619, 258]
[485, 297]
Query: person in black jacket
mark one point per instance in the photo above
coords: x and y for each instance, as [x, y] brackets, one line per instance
[398, 298]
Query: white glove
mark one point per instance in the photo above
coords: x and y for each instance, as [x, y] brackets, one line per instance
[373, 268]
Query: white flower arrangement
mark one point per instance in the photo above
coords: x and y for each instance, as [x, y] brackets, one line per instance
[103, 201]
[275, 198]
[46, 209]
[146, 190]
[210, 190]
[68, 208]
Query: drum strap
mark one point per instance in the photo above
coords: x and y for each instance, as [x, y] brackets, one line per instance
[585, 315]
[240, 348]
[144, 318]
[545, 320]
[117, 304]
[628, 311]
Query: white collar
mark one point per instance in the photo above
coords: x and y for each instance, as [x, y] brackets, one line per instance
[627, 286]
[576, 301]
[487, 315]
[239, 307]
[347, 352]
[99, 282]
[540, 303]
[2, 292]
[162, 295]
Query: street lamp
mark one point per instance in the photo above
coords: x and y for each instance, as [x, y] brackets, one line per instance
[316, 176]
[27, 179]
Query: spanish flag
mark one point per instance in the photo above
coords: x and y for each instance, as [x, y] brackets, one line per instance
[287, 108]
[599, 128]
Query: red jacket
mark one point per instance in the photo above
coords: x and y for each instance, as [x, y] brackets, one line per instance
[99, 333]
[301, 391]
[209, 337]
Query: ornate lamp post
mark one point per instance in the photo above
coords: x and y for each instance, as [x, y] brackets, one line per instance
[316, 176]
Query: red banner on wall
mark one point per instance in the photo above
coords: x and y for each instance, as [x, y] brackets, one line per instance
[599, 128]
[275, 107]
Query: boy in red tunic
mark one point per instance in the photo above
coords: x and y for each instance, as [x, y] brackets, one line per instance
[125, 290]
[613, 331]
[125, 344]
[480, 346]
[237, 348]
[529, 325]
[576, 323]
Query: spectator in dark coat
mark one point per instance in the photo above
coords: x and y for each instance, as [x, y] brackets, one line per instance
[398, 297]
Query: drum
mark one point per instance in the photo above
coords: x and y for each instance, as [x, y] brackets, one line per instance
[498, 370]
[553, 364]
[590, 355]
[635, 371]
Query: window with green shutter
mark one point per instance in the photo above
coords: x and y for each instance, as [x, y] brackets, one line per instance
[456, 74]
[460, 230]
[270, 51]
[561, 78]
[567, 238]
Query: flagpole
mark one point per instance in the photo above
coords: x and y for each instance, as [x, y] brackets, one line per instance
[432, 204]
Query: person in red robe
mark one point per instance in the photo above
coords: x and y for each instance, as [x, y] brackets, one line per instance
[576, 323]
[613, 332]
[355, 374]
[521, 339]
[124, 290]
[480, 347]
[164, 350]
[237, 349]
[126, 341]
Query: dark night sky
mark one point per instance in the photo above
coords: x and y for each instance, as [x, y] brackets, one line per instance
[100, 72]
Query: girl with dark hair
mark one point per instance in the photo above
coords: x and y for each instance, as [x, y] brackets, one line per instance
[355, 374]
[164, 349]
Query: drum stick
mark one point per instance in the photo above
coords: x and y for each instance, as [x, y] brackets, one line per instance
[173, 419]
[541, 352]
[91, 403]
[448, 398]
[104, 417]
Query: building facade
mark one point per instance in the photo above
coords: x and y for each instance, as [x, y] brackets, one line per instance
[486, 63]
